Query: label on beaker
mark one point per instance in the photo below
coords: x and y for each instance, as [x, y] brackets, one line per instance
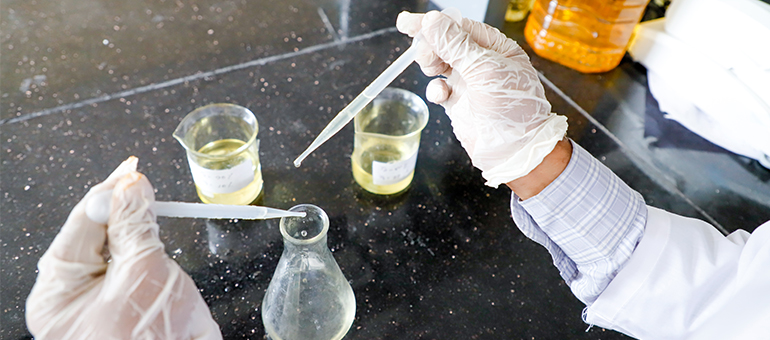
[223, 181]
[393, 172]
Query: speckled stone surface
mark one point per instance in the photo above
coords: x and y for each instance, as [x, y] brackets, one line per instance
[85, 84]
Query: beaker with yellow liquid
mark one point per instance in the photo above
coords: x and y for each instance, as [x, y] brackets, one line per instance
[223, 153]
[387, 138]
[518, 10]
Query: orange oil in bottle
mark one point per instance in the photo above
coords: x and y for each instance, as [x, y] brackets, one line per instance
[590, 36]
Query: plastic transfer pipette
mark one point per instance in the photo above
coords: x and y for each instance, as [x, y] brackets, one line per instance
[98, 210]
[383, 80]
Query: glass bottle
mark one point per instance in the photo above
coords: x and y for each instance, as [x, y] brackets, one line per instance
[588, 36]
[308, 297]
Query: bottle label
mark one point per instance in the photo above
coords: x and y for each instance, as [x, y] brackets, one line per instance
[393, 172]
[223, 181]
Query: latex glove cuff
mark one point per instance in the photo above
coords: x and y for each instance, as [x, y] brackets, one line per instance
[522, 161]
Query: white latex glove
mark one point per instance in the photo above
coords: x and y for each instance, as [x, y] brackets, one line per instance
[491, 93]
[139, 294]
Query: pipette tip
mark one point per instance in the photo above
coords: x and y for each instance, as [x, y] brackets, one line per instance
[278, 213]
[304, 154]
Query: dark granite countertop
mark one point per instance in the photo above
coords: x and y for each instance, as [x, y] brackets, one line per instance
[85, 84]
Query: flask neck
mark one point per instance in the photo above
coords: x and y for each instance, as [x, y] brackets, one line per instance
[305, 232]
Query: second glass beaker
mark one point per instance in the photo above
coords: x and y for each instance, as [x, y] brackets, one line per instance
[387, 138]
[223, 153]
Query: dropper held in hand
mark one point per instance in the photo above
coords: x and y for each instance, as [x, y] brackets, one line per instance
[98, 210]
[370, 92]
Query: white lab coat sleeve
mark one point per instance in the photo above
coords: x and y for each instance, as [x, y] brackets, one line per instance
[685, 280]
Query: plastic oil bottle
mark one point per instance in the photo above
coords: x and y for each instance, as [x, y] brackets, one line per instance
[590, 36]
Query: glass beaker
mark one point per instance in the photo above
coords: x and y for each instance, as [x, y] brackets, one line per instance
[387, 138]
[308, 297]
[223, 153]
[518, 10]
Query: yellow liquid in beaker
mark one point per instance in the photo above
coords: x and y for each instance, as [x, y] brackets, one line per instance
[245, 195]
[381, 151]
[518, 10]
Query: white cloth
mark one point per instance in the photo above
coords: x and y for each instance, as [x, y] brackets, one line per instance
[711, 76]
[685, 280]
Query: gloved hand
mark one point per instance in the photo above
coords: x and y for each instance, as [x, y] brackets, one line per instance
[140, 294]
[491, 93]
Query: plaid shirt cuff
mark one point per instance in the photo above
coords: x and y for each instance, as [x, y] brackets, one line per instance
[588, 219]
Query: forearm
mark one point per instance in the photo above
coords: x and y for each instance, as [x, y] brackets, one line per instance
[545, 173]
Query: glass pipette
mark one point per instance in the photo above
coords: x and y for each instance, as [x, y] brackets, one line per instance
[98, 210]
[383, 80]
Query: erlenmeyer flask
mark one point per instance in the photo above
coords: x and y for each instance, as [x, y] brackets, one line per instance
[308, 297]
